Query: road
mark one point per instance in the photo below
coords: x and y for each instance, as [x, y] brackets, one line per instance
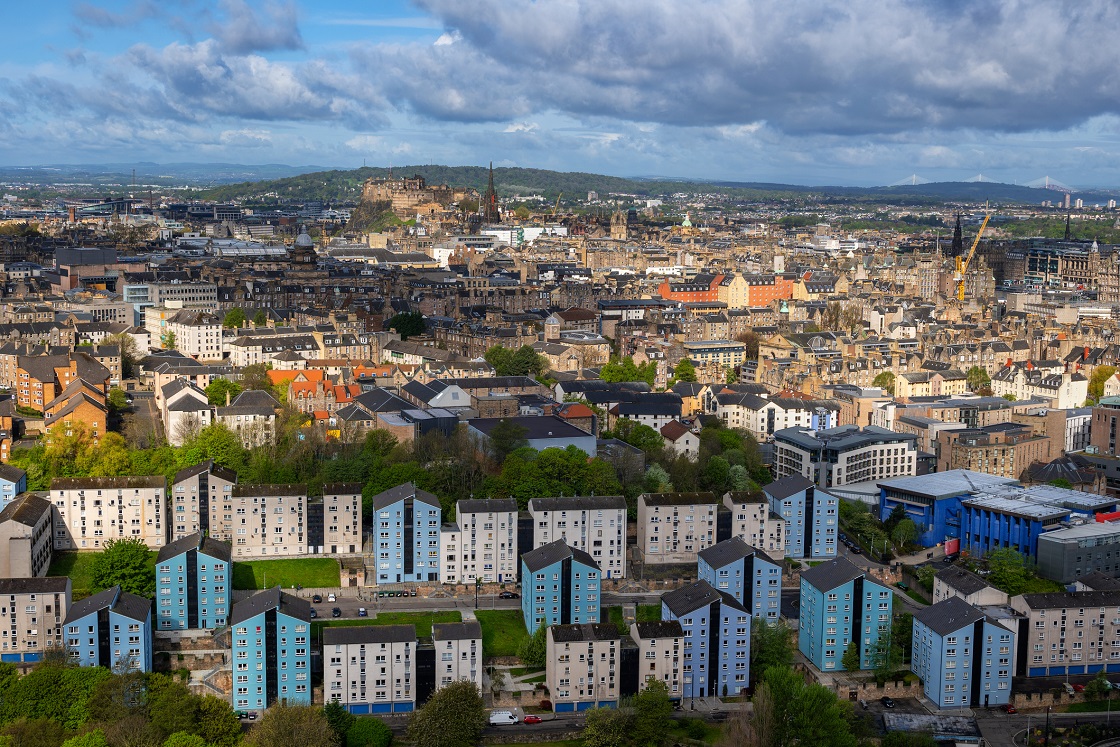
[999, 729]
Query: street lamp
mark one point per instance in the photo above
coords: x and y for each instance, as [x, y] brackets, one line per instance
[1047, 742]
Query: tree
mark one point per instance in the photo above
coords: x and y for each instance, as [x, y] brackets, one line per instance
[34, 732]
[902, 633]
[407, 324]
[255, 376]
[167, 341]
[260, 319]
[95, 738]
[533, 649]
[732, 376]
[340, 720]
[885, 381]
[908, 739]
[751, 340]
[897, 514]
[124, 562]
[1098, 687]
[905, 533]
[369, 731]
[217, 723]
[886, 657]
[977, 378]
[657, 480]
[525, 361]
[234, 318]
[118, 400]
[771, 645]
[219, 389]
[1101, 374]
[850, 660]
[285, 725]
[130, 352]
[522, 212]
[685, 371]
[507, 437]
[639, 434]
[788, 712]
[184, 739]
[653, 715]
[1009, 570]
[606, 727]
[1010, 397]
[452, 717]
[620, 370]
[1061, 482]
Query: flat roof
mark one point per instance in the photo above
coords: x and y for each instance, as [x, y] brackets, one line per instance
[946, 484]
[1017, 506]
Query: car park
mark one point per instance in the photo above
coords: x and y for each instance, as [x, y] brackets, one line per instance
[336, 612]
[532, 720]
[502, 718]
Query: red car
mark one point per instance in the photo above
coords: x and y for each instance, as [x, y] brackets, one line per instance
[1079, 688]
[1007, 707]
[531, 720]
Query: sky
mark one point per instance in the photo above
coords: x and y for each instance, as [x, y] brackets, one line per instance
[857, 92]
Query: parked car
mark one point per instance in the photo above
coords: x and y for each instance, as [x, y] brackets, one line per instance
[252, 715]
[509, 595]
[362, 612]
[863, 704]
[502, 718]
[317, 599]
[887, 702]
[336, 612]
[1069, 688]
[856, 550]
[412, 592]
[1079, 688]
[1008, 708]
[330, 598]
[532, 720]
[241, 714]
[314, 614]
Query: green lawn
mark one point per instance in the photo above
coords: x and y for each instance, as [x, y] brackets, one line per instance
[645, 613]
[502, 631]
[1091, 706]
[916, 596]
[519, 671]
[422, 620]
[307, 572]
[534, 679]
[79, 567]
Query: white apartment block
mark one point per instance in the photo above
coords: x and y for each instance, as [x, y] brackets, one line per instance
[200, 500]
[90, 510]
[342, 519]
[267, 521]
[1068, 629]
[370, 667]
[481, 543]
[582, 661]
[198, 332]
[659, 654]
[675, 527]
[595, 524]
[755, 523]
[32, 611]
[458, 652]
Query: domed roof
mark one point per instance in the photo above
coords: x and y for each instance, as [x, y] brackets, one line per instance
[303, 241]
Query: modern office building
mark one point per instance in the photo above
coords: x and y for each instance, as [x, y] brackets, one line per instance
[933, 501]
[751, 576]
[660, 647]
[839, 605]
[406, 535]
[595, 524]
[271, 650]
[1067, 554]
[1068, 633]
[32, 611]
[756, 522]
[963, 657]
[674, 527]
[810, 515]
[26, 537]
[582, 666]
[371, 669]
[458, 653]
[481, 543]
[844, 455]
[90, 510]
[194, 586]
[559, 586]
[717, 640]
[111, 629]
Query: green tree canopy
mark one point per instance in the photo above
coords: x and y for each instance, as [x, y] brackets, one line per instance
[218, 390]
[340, 719]
[885, 381]
[453, 717]
[369, 731]
[287, 725]
[408, 324]
[507, 437]
[234, 318]
[118, 400]
[130, 352]
[533, 650]
[977, 378]
[260, 319]
[1101, 374]
[124, 562]
[685, 371]
[620, 370]
[850, 660]
[653, 715]
[525, 361]
[606, 727]
[771, 645]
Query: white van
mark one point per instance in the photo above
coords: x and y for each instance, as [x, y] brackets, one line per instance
[502, 718]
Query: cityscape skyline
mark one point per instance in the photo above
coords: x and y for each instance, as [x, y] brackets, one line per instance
[844, 94]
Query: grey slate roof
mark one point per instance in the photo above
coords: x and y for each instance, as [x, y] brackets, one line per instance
[10, 473]
[690, 598]
[26, 509]
[962, 580]
[659, 629]
[209, 465]
[831, 574]
[584, 632]
[37, 585]
[578, 503]
[553, 552]
[730, 550]
[679, 499]
[108, 483]
[456, 631]
[1097, 580]
[1064, 599]
[206, 545]
[787, 486]
[948, 616]
[270, 599]
[399, 493]
[120, 602]
[371, 634]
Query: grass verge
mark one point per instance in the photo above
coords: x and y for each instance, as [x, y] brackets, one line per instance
[502, 631]
[422, 620]
[79, 567]
[310, 573]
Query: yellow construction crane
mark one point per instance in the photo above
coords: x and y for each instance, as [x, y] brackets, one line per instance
[964, 262]
[557, 205]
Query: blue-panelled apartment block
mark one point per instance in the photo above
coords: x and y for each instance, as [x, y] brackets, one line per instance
[839, 604]
[193, 584]
[934, 501]
[811, 516]
[111, 629]
[963, 657]
[559, 586]
[717, 639]
[746, 573]
[13, 481]
[270, 650]
[406, 525]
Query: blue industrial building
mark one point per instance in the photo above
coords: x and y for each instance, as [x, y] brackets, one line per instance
[111, 629]
[933, 501]
[717, 639]
[839, 604]
[963, 657]
[744, 572]
[270, 650]
[559, 585]
[406, 525]
[811, 516]
[13, 481]
[193, 584]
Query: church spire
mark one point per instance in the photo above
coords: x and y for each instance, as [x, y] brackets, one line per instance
[1067, 225]
[957, 248]
[490, 213]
